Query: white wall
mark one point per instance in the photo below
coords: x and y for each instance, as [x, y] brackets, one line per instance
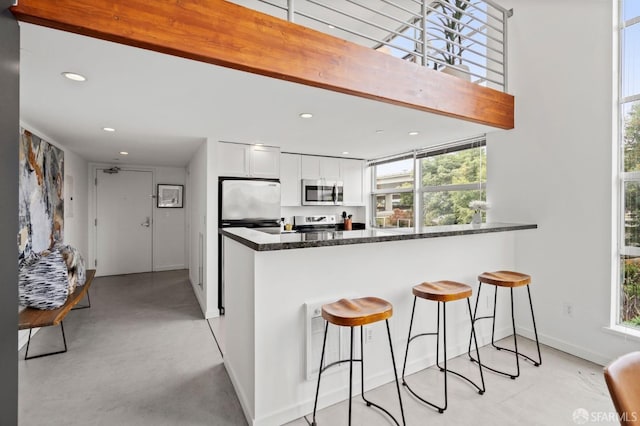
[555, 169]
[169, 226]
[212, 229]
[197, 197]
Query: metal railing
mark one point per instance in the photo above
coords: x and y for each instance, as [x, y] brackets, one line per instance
[461, 37]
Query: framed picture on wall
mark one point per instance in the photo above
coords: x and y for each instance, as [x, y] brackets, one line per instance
[170, 196]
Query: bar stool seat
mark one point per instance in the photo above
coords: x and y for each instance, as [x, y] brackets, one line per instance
[357, 313]
[510, 280]
[505, 278]
[441, 292]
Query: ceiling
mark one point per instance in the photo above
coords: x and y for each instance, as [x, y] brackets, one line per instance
[163, 107]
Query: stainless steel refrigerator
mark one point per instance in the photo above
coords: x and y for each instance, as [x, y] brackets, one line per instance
[249, 203]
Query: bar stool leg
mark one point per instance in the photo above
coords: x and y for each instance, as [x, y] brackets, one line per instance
[395, 374]
[475, 339]
[535, 330]
[324, 343]
[495, 305]
[369, 403]
[362, 368]
[444, 342]
[350, 372]
[473, 321]
[406, 352]
[438, 339]
[515, 339]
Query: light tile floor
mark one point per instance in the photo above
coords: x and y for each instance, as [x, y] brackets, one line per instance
[143, 355]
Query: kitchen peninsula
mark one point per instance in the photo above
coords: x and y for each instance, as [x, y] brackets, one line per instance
[273, 281]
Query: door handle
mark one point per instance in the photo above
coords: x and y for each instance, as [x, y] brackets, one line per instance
[147, 223]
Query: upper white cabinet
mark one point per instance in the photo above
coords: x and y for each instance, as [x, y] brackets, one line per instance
[236, 159]
[313, 167]
[352, 172]
[290, 180]
[264, 161]
[232, 159]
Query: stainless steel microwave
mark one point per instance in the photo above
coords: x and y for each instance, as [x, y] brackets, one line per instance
[322, 192]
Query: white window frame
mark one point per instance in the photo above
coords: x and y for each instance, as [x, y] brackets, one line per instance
[623, 178]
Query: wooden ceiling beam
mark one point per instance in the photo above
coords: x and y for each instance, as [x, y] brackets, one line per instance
[229, 35]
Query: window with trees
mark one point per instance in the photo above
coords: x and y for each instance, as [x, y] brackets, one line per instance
[450, 180]
[429, 187]
[629, 140]
[393, 193]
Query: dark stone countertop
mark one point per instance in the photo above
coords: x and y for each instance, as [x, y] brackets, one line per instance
[262, 241]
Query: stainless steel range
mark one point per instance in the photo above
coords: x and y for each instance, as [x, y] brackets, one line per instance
[314, 223]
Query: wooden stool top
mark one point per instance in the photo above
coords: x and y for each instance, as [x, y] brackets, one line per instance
[505, 278]
[442, 291]
[355, 312]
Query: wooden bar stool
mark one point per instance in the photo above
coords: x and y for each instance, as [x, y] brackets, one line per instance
[356, 313]
[510, 280]
[441, 292]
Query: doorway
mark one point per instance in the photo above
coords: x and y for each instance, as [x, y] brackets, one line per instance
[123, 224]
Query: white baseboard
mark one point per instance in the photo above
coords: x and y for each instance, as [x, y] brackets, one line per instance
[199, 292]
[215, 313]
[563, 346]
[162, 268]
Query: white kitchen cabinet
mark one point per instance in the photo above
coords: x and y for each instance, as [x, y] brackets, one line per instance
[232, 159]
[290, 180]
[315, 167]
[309, 167]
[264, 161]
[236, 159]
[352, 172]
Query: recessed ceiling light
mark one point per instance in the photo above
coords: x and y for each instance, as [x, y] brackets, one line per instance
[259, 144]
[108, 129]
[414, 133]
[331, 26]
[74, 76]
[379, 131]
[124, 153]
[345, 152]
[306, 115]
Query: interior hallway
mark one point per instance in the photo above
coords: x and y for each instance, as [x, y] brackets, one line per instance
[143, 355]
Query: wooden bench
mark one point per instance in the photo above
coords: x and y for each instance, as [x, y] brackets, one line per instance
[33, 318]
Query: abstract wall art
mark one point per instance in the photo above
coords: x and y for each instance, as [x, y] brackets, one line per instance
[41, 208]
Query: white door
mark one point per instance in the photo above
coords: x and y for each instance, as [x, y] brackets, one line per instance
[123, 227]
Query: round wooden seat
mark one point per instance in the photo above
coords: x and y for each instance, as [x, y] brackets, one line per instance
[505, 278]
[356, 312]
[442, 291]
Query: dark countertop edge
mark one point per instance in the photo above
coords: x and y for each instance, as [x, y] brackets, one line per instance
[367, 240]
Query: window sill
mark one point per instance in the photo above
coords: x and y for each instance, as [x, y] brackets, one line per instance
[622, 331]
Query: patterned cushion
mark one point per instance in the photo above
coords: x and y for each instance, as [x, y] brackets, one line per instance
[43, 281]
[75, 265]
